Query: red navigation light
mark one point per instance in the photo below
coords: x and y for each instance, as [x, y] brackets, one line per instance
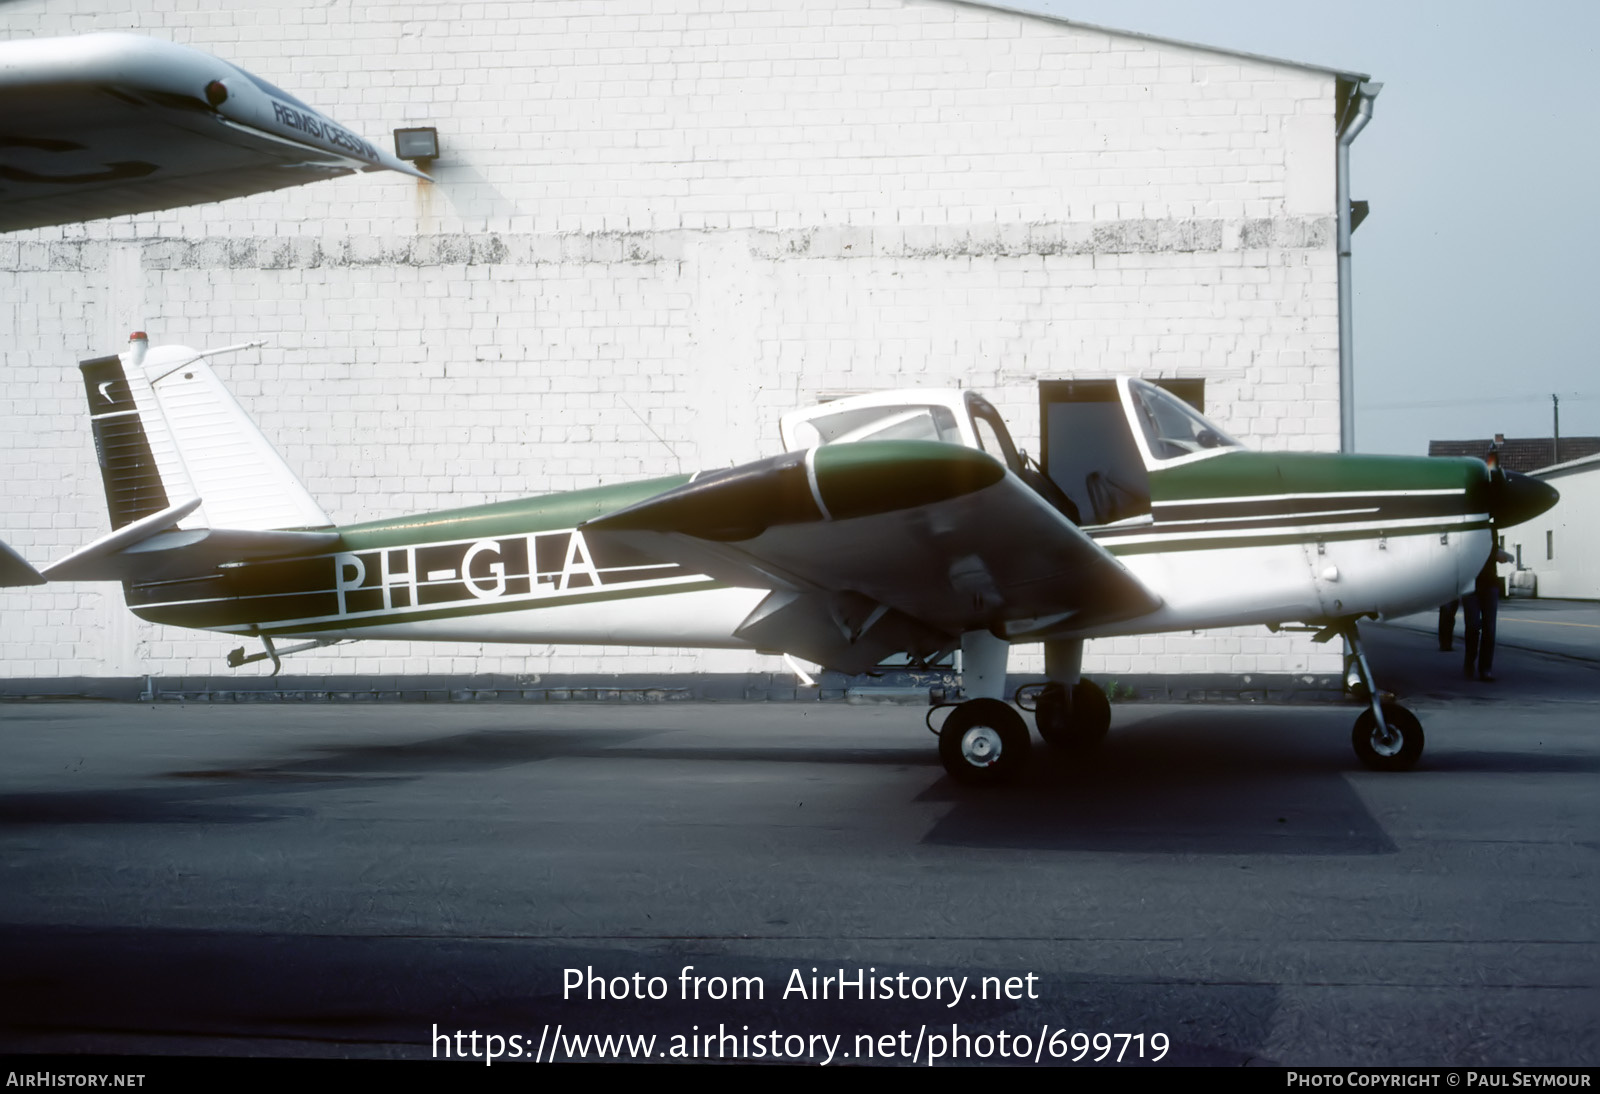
[216, 93]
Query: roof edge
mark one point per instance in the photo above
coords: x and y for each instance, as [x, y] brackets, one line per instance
[1578, 464]
[1011, 9]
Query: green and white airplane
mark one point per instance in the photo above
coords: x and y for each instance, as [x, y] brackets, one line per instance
[899, 524]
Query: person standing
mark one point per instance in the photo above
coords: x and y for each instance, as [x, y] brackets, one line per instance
[1482, 607]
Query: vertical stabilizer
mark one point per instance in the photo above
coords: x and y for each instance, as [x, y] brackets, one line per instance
[166, 430]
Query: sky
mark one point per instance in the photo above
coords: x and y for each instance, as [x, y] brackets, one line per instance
[1478, 261]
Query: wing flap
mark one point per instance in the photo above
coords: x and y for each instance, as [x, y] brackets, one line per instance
[845, 631]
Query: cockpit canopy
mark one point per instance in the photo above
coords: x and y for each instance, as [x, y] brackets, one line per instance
[953, 417]
[1098, 464]
[908, 422]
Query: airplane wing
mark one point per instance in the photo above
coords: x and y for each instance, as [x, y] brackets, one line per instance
[105, 124]
[877, 547]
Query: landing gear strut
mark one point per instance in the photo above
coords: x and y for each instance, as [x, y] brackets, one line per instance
[1387, 736]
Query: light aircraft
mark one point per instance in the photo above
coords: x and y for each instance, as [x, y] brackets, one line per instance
[99, 125]
[901, 523]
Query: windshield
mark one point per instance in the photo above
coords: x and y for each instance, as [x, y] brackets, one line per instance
[1173, 428]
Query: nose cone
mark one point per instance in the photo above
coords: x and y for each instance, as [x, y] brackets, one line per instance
[1519, 497]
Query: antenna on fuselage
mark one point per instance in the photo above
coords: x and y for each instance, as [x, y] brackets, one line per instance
[644, 422]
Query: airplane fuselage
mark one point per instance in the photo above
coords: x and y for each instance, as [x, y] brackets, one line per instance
[1236, 539]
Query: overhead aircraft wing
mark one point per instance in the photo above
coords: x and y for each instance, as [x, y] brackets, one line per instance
[105, 124]
[877, 547]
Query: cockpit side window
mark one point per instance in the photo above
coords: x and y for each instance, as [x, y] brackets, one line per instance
[1171, 427]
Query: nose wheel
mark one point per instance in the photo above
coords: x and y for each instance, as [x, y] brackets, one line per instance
[983, 742]
[1396, 747]
[1387, 736]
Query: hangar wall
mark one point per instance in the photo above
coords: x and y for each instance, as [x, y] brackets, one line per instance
[656, 226]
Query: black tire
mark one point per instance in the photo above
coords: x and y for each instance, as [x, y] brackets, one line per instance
[984, 742]
[1078, 725]
[1396, 755]
[1091, 710]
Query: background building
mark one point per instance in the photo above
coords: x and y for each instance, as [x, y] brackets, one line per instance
[655, 227]
[1552, 554]
[1558, 548]
[1523, 454]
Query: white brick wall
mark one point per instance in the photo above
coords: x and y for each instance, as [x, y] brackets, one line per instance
[678, 220]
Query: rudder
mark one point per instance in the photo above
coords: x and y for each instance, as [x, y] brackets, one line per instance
[122, 443]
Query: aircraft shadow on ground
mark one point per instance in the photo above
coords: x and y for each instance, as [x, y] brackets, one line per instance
[137, 805]
[1199, 781]
[203, 795]
[1219, 780]
[1203, 781]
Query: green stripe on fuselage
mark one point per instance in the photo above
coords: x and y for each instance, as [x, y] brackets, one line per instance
[1251, 474]
[544, 513]
[269, 592]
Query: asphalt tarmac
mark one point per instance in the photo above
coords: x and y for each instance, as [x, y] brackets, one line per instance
[1224, 882]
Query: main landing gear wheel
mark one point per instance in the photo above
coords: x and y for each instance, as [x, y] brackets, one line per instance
[984, 741]
[1399, 751]
[1075, 724]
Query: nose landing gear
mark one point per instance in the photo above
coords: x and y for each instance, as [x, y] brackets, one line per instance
[1387, 736]
[1395, 747]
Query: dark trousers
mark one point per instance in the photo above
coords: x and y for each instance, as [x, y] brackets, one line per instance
[1447, 624]
[1482, 607]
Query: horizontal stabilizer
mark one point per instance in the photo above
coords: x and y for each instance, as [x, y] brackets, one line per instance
[14, 570]
[154, 548]
[81, 564]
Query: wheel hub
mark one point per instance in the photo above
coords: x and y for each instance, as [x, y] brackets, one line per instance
[980, 746]
[1388, 744]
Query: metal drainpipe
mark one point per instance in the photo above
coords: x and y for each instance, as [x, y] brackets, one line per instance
[1364, 94]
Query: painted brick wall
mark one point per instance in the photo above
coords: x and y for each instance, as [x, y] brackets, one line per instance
[655, 227]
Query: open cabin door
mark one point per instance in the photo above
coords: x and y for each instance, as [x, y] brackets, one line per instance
[1089, 449]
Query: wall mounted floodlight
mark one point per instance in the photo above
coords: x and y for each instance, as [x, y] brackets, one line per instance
[417, 144]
